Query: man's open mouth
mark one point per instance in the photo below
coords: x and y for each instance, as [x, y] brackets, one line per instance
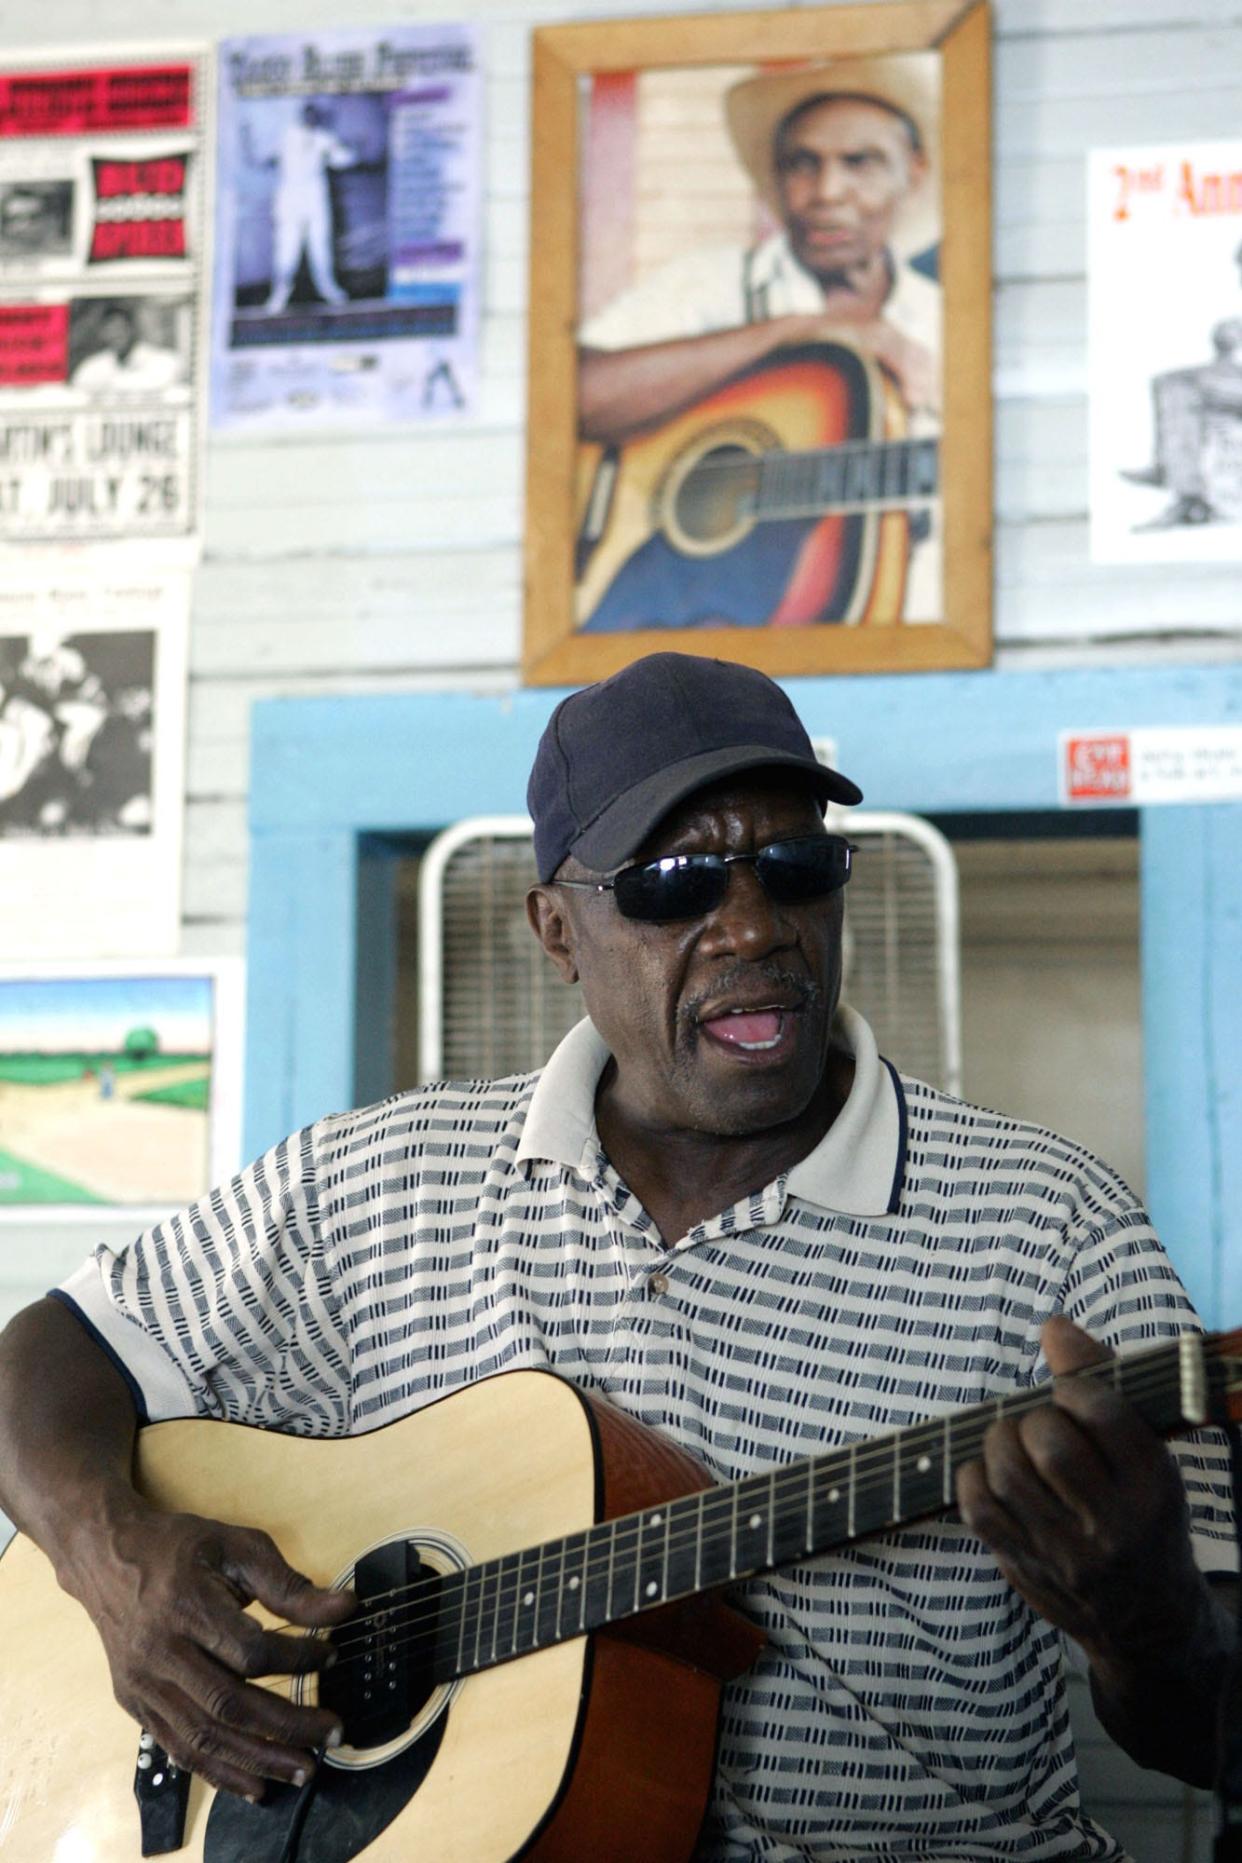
[753, 1031]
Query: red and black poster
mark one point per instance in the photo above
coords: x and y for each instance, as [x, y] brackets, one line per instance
[102, 272]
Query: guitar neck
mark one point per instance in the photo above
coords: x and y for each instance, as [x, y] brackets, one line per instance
[524, 1601]
[857, 475]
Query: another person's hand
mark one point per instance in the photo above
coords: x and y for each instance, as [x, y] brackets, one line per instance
[168, 1597]
[1083, 1506]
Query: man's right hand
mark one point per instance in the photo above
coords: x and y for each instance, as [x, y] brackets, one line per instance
[910, 363]
[167, 1593]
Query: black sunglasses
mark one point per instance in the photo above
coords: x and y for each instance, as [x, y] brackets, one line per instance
[686, 886]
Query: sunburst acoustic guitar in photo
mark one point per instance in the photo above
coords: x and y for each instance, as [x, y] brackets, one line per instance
[542, 1634]
[791, 496]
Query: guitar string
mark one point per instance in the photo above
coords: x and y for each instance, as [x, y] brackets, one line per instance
[871, 1473]
[799, 1493]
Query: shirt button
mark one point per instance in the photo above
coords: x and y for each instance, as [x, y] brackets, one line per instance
[658, 1284]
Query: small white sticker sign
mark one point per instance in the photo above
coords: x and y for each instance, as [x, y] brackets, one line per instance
[1158, 763]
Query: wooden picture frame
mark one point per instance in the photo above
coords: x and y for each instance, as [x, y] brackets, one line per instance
[850, 535]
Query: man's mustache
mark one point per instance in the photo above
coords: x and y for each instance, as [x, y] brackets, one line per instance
[803, 990]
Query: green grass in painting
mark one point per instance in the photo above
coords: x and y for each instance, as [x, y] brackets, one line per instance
[195, 1094]
[43, 1070]
[26, 1183]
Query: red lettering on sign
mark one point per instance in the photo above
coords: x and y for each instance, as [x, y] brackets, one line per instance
[34, 344]
[67, 103]
[138, 239]
[1097, 769]
[114, 179]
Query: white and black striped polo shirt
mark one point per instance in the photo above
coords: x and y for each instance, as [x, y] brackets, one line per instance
[908, 1705]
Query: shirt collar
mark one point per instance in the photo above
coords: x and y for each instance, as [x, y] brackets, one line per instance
[855, 1170]
[912, 302]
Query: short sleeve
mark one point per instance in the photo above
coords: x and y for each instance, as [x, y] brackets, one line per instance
[229, 1308]
[1123, 1289]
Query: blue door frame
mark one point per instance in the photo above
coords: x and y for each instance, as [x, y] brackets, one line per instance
[332, 777]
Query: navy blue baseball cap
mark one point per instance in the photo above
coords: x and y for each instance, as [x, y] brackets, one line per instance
[615, 757]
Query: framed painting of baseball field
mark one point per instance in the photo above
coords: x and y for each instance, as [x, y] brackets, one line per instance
[759, 410]
[120, 1085]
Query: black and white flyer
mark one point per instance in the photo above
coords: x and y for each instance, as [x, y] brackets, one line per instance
[1165, 319]
[92, 757]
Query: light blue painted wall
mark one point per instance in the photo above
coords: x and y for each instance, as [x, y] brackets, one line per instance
[329, 773]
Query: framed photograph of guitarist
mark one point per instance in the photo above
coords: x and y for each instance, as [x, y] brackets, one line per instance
[759, 353]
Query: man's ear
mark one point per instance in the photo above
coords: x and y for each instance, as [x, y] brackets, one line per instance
[545, 909]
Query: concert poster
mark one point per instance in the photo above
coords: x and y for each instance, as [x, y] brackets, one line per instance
[1165, 347]
[103, 172]
[801, 487]
[348, 280]
[92, 753]
[119, 1086]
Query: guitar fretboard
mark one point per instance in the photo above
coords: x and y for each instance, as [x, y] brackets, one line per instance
[854, 476]
[526, 1600]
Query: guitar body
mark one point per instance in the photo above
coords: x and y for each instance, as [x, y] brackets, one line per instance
[561, 1755]
[666, 525]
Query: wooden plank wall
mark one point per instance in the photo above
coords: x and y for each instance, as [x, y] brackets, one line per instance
[393, 562]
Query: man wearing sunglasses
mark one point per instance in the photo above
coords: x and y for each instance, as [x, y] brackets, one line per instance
[719, 1206]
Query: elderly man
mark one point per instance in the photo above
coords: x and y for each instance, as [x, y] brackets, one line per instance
[841, 156]
[719, 1207]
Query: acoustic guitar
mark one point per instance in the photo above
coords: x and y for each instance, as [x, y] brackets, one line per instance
[785, 499]
[535, 1666]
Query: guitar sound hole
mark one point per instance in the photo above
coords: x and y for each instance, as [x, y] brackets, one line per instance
[718, 494]
[382, 1676]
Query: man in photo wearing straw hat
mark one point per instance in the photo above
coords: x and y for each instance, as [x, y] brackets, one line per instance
[844, 157]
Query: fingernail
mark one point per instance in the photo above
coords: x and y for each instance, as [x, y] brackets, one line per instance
[335, 1737]
[330, 1660]
[301, 1776]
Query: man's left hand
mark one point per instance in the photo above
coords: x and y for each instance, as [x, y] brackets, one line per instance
[1083, 1507]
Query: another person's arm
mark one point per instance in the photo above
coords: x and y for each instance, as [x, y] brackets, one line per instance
[623, 391]
[1084, 1508]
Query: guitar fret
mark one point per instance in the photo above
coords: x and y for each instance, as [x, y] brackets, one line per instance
[668, 1528]
[651, 1580]
[548, 1593]
[480, 1620]
[465, 1617]
[523, 1617]
[612, 1566]
[853, 1470]
[569, 1592]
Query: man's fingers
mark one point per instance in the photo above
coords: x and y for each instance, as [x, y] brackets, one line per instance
[252, 1563]
[1068, 1348]
[241, 1643]
[985, 1514]
[218, 1720]
[1019, 1481]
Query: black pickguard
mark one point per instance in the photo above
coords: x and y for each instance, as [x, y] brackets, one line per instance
[348, 1810]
